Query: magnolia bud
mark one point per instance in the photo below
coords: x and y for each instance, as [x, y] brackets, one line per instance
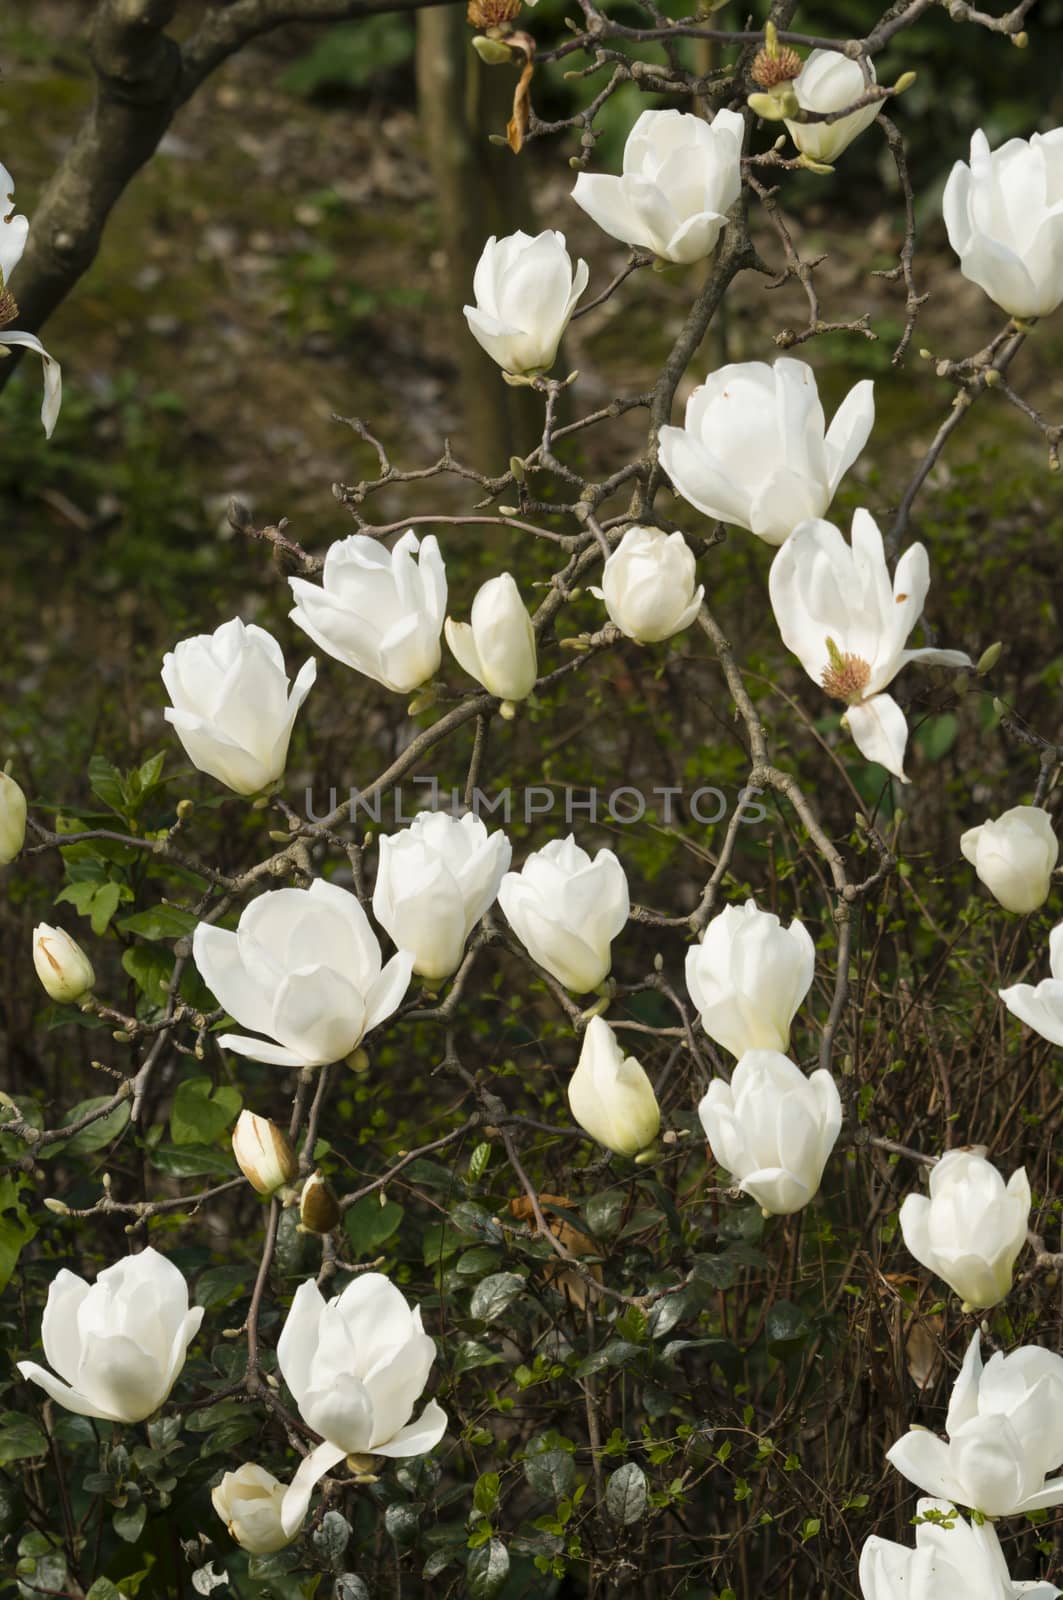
[492, 52]
[262, 1153]
[62, 966]
[318, 1207]
[12, 819]
[988, 659]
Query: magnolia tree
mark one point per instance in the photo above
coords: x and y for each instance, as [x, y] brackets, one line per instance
[470, 1206]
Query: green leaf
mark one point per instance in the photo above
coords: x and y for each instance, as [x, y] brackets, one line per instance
[106, 783]
[128, 1523]
[551, 1473]
[368, 1224]
[16, 1229]
[219, 1286]
[103, 1589]
[487, 1570]
[331, 1539]
[469, 1354]
[491, 1297]
[102, 1132]
[160, 922]
[785, 1329]
[20, 1438]
[617, 1353]
[625, 1494]
[151, 971]
[192, 1161]
[485, 1494]
[202, 1112]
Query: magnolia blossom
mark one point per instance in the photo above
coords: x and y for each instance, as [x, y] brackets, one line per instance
[63, 967]
[567, 909]
[755, 450]
[378, 611]
[304, 968]
[14, 230]
[773, 1129]
[970, 1228]
[648, 585]
[1005, 1434]
[12, 819]
[681, 177]
[232, 707]
[1014, 856]
[952, 1558]
[748, 976]
[1004, 217]
[434, 883]
[119, 1344]
[356, 1366]
[610, 1095]
[497, 647]
[1040, 1005]
[847, 624]
[249, 1502]
[829, 81]
[525, 292]
[263, 1153]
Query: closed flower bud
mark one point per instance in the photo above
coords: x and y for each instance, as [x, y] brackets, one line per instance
[526, 290]
[12, 819]
[1003, 220]
[970, 1228]
[1014, 856]
[648, 585]
[249, 1502]
[828, 82]
[318, 1207]
[773, 1129]
[497, 646]
[610, 1095]
[62, 966]
[262, 1153]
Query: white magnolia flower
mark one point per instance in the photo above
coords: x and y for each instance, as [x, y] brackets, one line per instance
[526, 291]
[1014, 856]
[249, 1502]
[434, 883]
[1005, 1434]
[755, 450]
[497, 647]
[970, 1228]
[681, 176]
[263, 1153]
[1004, 217]
[773, 1129]
[63, 967]
[847, 624]
[232, 709]
[648, 585]
[119, 1344]
[829, 81]
[1040, 1005]
[14, 231]
[748, 976]
[610, 1095]
[378, 611]
[952, 1558]
[567, 909]
[356, 1366]
[304, 968]
[12, 819]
